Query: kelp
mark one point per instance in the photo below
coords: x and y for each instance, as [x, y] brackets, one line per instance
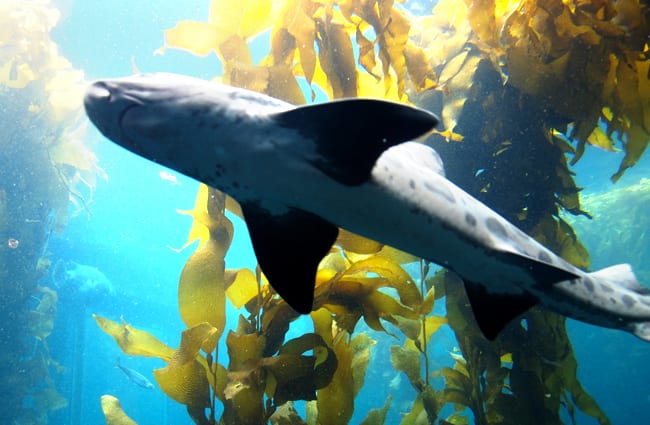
[46, 166]
[585, 61]
[311, 40]
[113, 412]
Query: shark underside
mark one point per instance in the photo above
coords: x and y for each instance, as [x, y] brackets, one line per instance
[300, 173]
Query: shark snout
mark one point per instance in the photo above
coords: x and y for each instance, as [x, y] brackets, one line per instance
[106, 103]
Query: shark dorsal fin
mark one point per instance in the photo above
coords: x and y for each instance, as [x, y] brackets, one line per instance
[288, 247]
[350, 134]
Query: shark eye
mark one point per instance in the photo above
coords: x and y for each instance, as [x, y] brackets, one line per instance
[99, 91]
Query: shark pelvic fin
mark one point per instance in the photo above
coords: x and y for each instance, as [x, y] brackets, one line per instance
[350, 134]
[494, 311]
[288, 248]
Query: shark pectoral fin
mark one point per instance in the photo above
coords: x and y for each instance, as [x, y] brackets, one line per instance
[288, 248]
[350, 134]
[494, 311]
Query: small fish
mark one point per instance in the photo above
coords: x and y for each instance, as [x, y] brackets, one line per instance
[300, 173]
[135, 377]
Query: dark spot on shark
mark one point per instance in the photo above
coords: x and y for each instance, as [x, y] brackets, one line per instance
[497, 229]
[470, 219]
[412, 184]
[235, 184]
[613, 300]
[589, 284]
[543, 256]
[628, 301]
[442, 191]
[606, 288]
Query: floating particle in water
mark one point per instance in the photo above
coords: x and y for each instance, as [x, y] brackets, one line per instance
[13, 243]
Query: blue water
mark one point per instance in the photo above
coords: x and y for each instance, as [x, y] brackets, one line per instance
[134, 222]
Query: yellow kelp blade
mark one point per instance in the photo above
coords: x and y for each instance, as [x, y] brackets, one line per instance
[113, 412]
[245, 18]
[355, 243]
[201, 287]
[133, 341]
[199, 213]
[199, 38]
[335, 401]
[184, 378]
[432, 325]
[242, 287]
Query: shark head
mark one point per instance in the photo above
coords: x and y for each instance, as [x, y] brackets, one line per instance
[150, 116]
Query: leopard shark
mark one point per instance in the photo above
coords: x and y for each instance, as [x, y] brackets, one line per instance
[302, 172]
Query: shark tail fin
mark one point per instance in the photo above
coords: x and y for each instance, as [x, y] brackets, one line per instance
[621, 275]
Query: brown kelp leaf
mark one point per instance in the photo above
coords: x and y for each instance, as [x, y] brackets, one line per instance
[422, 75]
[366, 53]
[407, 361]
[336, 57]
[283, 85]
[378, 416]
[283, 47]
[234, 52]
[350, 294]
[48, 399]
[335, 401]
[392, 44]
[133, 341]
[246, 381]
[395, 277]
[360, 346]
[184, 378]
[41, 319]
[297, 19]
[560, 237]
[286, 415]
[459, 87]
[113, 412]
[297, 375]
[445, 32]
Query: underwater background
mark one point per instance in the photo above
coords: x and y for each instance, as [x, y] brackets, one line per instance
[91, 234]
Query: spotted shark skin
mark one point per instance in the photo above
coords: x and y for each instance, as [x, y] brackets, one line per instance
[300, 173]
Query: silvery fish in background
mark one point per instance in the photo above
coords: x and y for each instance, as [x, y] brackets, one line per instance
[135, 377]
